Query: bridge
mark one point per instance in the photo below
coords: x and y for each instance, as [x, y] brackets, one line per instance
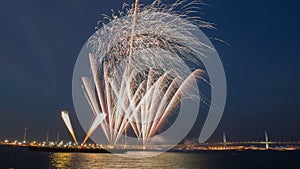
[265, 142]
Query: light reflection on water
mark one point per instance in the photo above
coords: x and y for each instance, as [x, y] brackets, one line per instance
[95, 161]
[22, 158]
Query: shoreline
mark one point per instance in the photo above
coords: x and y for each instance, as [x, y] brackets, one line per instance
[81, 149]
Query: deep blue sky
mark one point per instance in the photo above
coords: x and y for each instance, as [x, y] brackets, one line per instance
[40, 41]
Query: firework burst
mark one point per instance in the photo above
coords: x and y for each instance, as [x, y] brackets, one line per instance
[144, 62]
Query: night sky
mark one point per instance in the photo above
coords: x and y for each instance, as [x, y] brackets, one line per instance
[40, 41]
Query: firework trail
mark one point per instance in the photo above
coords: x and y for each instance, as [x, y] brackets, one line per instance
[67, 121]
[97, 121]
[136, 7]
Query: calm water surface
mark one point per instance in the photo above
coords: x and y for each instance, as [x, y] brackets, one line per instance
[21, 158]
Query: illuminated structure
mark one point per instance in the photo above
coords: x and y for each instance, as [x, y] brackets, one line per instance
[224, 141]
[25, 134]
[67, 121]
[267, 140]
